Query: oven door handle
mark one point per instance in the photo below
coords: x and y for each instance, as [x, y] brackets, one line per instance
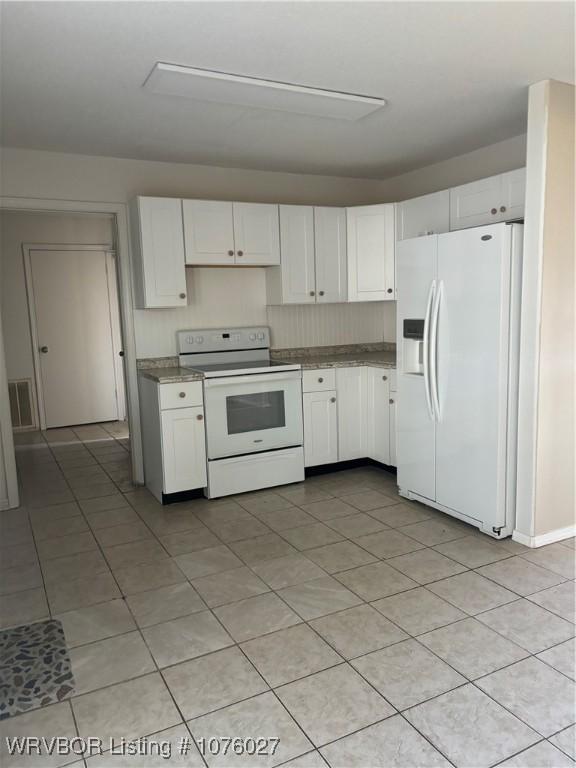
[256, 378]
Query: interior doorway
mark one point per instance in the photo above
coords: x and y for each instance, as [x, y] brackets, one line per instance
[76, 336]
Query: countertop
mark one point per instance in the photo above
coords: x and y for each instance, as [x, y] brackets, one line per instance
[166, 371]
[170, 374]
[380, 359]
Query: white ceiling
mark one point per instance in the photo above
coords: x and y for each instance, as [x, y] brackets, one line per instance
[455, 75]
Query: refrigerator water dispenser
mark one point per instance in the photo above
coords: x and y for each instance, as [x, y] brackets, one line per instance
[413, 347]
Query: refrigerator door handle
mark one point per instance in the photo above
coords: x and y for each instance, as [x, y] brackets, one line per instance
[434, 350]
[426, 348]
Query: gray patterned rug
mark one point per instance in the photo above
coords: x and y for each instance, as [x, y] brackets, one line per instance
[35, 667]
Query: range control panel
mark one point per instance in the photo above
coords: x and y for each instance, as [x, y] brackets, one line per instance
[223, 339]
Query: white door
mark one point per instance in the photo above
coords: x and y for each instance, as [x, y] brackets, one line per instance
[330, 247]
[426, 215]
[476, 203]
[416, 271]
[472, 375]
[371, 240]
[73, 328]
[352, 394]
[379, 415]
[183, 449]
[161, 250]
[297, 247]
[208, 232]
[320, 428]
[513, 195]
[256, 234]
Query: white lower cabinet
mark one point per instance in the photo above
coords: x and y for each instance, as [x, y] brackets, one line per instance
[173, 436]
[320, 428]
[380, 437]
[352, 393]
[183, 449]
[349, 413]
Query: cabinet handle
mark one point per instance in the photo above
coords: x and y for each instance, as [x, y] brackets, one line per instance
[44, 350]
[384, 378]
[240, 253]
[494, 211]
[390, 290]
[321, 293]
[181, 394]
[391, 401]
[230, 253]
[312, 293]
[320, 380]
[502, 209]
[200, 417]
[182, 295]
[332, 399]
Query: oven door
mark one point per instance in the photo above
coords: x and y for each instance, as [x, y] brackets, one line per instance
[246, 414]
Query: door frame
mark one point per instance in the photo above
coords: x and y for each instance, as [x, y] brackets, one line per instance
[114, 309]
[124, 275]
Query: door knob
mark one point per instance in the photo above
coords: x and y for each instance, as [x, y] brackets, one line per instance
[121, 353]
[320, 380]
[391, 401]
[312, 293]
[200, 417]
[332, 399]
[321, 293]
[240, 253]
[182, 295]
[230, 253]
[502, 209]
[181, 394]
[384, 378]
[44, 350]
[493, 211]
[389, 290]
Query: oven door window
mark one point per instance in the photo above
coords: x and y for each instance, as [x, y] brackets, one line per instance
[255, 412]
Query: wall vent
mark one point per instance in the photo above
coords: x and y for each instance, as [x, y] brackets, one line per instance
[20, 393]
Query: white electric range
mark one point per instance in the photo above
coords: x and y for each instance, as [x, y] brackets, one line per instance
[253, 409]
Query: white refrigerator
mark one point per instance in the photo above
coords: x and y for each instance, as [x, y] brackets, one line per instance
[457, 346]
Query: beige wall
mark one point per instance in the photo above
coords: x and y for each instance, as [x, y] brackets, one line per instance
[487, 161]
[546, 498]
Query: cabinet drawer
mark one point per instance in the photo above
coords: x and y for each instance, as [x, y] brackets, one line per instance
[319, 380]
[180, 395]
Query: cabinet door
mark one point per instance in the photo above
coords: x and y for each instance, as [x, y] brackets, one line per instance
[159, 252]
[256, 233]
[427, 215]
[320, 428]
[513, 194]
[378, 415]
[476, 203]
[183, 449]
[371, 239]
[297, 249]
[330, 248]
[392, 425]
[208, 232]
[352, 394]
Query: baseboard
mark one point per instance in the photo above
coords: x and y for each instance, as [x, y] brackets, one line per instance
[546, 538]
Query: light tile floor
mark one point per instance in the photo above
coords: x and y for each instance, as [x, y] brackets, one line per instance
[358, 628]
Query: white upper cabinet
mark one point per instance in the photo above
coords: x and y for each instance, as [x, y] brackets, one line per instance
[513, 194]
[294, 282]
[218, 233]
[371, 243]
[427, 215]
[256, 234]
[208, 232]
[158, 252]
[488, 201]
[330, 254]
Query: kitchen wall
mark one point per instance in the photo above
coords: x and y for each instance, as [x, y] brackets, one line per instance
[486, 161]
[546, 493]
[20, 227]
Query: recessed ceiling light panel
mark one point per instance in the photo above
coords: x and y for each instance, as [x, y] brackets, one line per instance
[222, 88]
